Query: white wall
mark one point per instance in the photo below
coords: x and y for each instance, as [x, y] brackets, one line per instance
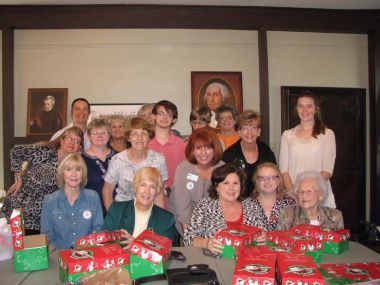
[314, 59]
[130, 66]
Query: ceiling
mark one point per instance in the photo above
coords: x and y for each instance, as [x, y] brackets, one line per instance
[320, 4]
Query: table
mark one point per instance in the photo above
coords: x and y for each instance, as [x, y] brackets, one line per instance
[223, 267]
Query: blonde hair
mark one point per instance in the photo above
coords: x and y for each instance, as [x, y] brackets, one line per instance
[148, 173]
[71, 159]
[98, 123]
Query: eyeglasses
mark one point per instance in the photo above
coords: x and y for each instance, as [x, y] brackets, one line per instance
[248, 129]
[101, 134]
[135, 135]
[163, 114]
[267, 178]
[199, 123]
[308, 192]
[226, 118]
[73, 140]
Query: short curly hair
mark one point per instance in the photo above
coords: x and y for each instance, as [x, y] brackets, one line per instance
[139, 123]
[311, 175]
[220, 173]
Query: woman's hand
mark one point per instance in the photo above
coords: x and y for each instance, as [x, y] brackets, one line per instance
[262, 238]
[214, 245]
[127, 237]
[15, 187]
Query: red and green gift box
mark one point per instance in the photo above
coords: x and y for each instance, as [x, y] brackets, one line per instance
[334, 241]
[351, 273]
[308, 245]
[99, 238]
[266, 250]
[30, 252]
[149, 254]
[236, 237]
[255, 269]
[298, 269]
[75, 263]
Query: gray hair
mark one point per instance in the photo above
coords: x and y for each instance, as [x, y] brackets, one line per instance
[223, 90]
[311, 175]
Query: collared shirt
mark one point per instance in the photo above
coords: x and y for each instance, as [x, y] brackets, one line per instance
[64, 224]
[173, 151]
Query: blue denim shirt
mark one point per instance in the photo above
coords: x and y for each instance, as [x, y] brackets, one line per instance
[64, 224]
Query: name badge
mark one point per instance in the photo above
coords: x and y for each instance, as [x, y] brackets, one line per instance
[192, 177]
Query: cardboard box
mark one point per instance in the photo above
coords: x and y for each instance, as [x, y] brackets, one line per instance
[75, 263]
[149, 254]
[98, 238]
[258, 270]
[266, 250]
[308, 245]
[30, 252]
[334, 241]
[298, 269]
[235, 237]
[351, 272]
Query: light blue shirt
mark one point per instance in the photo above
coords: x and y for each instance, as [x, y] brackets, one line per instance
[64, 224]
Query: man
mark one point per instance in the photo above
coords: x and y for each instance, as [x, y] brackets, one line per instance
[165, 141]
[48, 119]
[215, 97]
[80, 110]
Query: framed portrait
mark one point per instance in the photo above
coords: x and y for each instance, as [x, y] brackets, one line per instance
[47, 110]
[108, 110]
[216, 88]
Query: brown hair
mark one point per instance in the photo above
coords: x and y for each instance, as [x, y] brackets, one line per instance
[139, 123]
[280, 189]
[207, 137]
[248, 116]
[56, 144]
[220, 173]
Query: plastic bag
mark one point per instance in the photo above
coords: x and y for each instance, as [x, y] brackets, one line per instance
[6, 245]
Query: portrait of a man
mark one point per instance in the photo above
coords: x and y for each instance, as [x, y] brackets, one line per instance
[45, 111]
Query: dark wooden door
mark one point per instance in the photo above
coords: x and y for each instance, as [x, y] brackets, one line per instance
[343, 111]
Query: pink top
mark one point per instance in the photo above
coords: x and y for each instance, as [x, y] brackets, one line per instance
[174, 153]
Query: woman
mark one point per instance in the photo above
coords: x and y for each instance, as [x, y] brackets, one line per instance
[222, 209]
[118, 141]
[308, 146]
[311, 190]
[98, 156]
[124, 165]
[268, 197]
[145, 112]
[249, 151]
[39, 179]
[192, 177]
[135, 216]
[200, 118]
[227, 118]
[73, 211]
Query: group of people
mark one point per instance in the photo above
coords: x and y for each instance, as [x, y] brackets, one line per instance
[137, 175]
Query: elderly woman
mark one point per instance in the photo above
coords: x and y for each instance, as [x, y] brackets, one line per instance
[310, 189]
[137, 215]
[268, 197]
[249, 151]
[38, 179]
[124, 165]
[98, 155]
[193, 175]
[73, 211]
[222, 209]
[118, 141]
[227, 118]
[200, 118]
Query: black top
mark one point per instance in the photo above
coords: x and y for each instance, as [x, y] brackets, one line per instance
[235, 155]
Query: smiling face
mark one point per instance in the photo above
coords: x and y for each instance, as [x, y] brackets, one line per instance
[249, 132]
[267, 180]
[204, 154]
[70, 143]
[117, 129]
[145, 192]
[139, 139]
[229, 189]
[99, 136]
[214, 98]
[164, 118]
[309, 194]
[72, 175]
[306, 109]
[80, 112]
[227, 121]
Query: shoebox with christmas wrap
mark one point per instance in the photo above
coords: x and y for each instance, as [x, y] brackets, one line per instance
[255, 269]
[30, 252]
[308, 245]
[235, 237]
[334, 241]
[75, 263]
[351, 273]
[294, 269]
[149, 254]
[98, 238]
[266, 250]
